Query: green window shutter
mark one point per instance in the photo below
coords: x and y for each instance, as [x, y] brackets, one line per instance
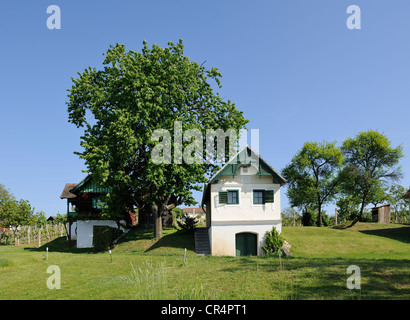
[269, 196]
[223, 196]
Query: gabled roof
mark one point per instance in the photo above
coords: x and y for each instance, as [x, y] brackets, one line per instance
[87, 185]
[244, 157]
[66, 194]
[247, 156]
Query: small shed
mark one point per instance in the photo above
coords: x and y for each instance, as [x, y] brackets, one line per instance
[381, 214]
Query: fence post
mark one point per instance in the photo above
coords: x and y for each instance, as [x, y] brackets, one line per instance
[39, 238]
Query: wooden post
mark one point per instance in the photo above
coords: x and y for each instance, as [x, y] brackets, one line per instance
[39, 238]
[336, 216]
[28, 235]
[69, 233]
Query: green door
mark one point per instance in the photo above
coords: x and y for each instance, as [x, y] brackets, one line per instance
[245, 244]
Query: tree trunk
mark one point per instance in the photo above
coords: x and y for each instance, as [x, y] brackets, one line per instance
[156, 212]
[360, 213]
[319, 216]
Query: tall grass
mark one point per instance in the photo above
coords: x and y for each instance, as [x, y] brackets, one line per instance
[286, 287]
[151, 283]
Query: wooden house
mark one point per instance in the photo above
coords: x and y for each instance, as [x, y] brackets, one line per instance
[84, 209]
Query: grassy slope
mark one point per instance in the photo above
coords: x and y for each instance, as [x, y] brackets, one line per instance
[142, 268]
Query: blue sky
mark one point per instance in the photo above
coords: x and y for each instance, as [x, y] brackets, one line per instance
[294, 68]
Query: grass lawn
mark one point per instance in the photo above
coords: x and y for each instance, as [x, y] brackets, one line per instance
[142, 268]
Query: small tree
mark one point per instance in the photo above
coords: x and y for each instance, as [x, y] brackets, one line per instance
[313, 176]
[188, 223]
[273, 241]
[290, 217]
[41, 219]
[15, 213]
[370, 160]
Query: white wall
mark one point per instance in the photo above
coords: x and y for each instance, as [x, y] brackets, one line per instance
[73, 230]
[85, 231]
[223, 235]
[228, 220]
[245, 210]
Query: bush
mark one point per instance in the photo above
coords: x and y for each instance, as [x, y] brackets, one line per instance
[308, 218]
[188, 223]
[104, 236]
[273, 242]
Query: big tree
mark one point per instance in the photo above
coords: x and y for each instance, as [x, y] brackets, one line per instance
[128, 108]
[370, 160]
[312, 176]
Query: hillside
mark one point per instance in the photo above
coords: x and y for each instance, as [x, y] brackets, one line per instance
[364, 240]
[142, 268]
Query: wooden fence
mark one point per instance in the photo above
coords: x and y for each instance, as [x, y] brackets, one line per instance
[32, 235]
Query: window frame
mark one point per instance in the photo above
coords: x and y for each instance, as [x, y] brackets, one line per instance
[263, 196]
[237, 197]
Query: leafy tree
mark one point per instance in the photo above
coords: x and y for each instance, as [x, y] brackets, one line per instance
[347, 208]
[41, 219]
[399, 205]
[15, 213]
[312, 176]
[370, 160]
[290, 217]
[61, 218]
[5, 194]
[124, 106]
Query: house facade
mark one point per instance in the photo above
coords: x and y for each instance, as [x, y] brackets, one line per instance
[242, 202]
[84, 210]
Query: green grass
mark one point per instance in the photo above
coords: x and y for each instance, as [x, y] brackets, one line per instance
[143, 268]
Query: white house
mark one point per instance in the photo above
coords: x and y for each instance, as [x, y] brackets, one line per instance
[242, 202]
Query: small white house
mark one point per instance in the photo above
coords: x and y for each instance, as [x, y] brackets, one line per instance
[242, 202]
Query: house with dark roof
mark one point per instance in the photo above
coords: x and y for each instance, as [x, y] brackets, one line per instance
[242, 203]
[84, 207]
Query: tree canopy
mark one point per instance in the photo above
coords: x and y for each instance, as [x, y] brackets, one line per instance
[370, 160]
[130, 107]
[357, 172]
[312, 175]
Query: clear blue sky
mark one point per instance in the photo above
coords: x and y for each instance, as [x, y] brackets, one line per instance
[294, 68]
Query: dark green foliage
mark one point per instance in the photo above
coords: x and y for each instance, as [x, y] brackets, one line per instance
[308, 218]
[104, 236]
[128, 105]
[188, 223]
[273, 242]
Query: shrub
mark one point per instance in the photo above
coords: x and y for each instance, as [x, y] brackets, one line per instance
[273, 242]
[188, 223]
[308, 218]
[104, 236]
